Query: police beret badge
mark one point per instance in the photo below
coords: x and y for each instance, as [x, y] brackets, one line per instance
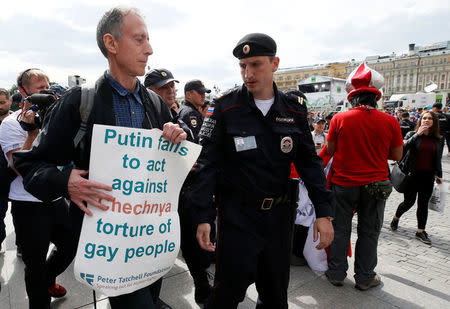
[246, 49]
[164, 74]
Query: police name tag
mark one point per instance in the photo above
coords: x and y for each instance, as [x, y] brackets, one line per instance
[244, 143]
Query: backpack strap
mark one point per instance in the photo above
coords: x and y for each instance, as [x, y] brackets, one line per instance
[86, 104]
[155, 100]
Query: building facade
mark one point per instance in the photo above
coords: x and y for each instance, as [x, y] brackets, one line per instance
[406, 73]
[412, 72]
[287, 79]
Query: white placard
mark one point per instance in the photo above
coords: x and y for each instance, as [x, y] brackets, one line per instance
[136, 241]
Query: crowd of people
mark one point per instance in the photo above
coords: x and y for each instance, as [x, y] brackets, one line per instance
[253, 139]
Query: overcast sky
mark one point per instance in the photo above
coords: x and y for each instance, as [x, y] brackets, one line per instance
[195, 38]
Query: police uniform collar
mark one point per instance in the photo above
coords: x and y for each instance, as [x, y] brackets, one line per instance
[187, 103]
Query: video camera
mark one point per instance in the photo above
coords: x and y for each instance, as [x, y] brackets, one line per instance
[40, 104]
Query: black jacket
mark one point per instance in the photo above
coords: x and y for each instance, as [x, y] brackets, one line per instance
[444, 123]
[406, 125]
[263, 167]
[411, 144]
[191, 116]
[54, 145]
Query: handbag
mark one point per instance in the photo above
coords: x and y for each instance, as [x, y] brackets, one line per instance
[400, 180]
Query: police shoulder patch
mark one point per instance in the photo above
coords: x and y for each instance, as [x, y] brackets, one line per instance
[194, 122]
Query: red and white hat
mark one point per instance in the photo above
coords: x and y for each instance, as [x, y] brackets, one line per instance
[364, 79]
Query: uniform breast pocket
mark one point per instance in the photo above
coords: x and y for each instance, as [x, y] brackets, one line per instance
[242, 141]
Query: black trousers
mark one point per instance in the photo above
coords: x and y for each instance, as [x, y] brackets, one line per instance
[36, 225]
[3, 209]
[442, 142]
[300, 234]
[197, 259]
[253, 246]
[143, 298]
[447, 138]
[421, 187]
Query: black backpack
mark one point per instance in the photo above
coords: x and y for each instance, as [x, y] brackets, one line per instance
[7, 175]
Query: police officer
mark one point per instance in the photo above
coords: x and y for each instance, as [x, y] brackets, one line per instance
[162, 82]
[406, 124]
[249, 141]
[197, 259]
[194, 92]
[444, 123]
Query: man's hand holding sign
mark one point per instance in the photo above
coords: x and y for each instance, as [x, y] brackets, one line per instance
[82, 190]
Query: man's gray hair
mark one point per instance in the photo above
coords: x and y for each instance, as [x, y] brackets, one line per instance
[111, 22]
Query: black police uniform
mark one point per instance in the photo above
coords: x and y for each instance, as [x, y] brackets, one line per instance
[444, 127]
[192, 117]
[197, 259]
[246, 160]
[406, 125]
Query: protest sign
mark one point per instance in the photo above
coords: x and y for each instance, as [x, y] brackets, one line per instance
[135, 241]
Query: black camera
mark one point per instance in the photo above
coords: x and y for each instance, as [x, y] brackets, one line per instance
[40, 104]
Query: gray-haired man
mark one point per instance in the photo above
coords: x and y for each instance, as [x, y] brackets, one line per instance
[120, 100]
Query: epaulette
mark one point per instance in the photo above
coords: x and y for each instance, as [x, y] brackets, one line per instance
[298, 99]
[226, 93]
[298, 102]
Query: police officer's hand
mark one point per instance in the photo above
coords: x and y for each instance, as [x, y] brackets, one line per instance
[173, 133]
[325, 228]
[81, 189]
[194, 167]
[203, 232]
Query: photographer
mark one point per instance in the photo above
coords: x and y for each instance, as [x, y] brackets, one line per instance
[36, 223]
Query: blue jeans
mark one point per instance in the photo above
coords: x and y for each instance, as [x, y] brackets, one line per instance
[370, 220]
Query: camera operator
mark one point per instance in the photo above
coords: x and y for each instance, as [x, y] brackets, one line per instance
[36, 223]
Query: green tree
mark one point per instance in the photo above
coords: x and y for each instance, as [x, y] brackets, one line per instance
[14, 89]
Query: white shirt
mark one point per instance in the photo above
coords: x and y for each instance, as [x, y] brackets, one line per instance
[319, 139]
[12, 136]
[264, 105]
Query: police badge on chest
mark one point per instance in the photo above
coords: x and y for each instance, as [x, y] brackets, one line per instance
[287, 144]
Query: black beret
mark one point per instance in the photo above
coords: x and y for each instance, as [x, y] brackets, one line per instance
[255, 44]
[158, 78]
